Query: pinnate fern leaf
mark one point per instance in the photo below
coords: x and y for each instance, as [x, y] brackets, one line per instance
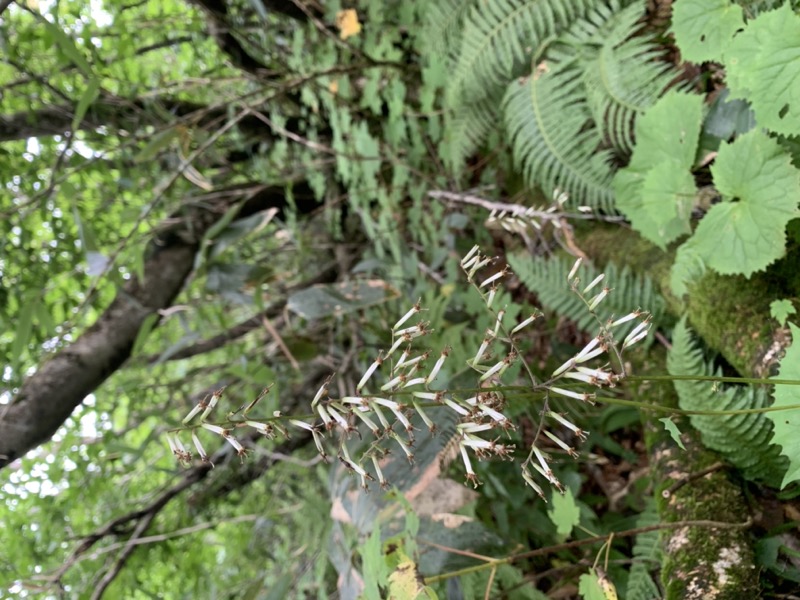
[744, 440]
[547, 278]
[500, 34]
[578, 108]
[646, 555]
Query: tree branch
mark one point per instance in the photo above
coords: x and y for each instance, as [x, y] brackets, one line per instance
[47, 398]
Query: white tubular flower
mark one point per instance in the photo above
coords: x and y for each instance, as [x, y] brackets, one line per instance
[200, 450]
[498, 322]
[302, 425]
[400, 340]
[570, 394]
[567, 365]
[393, 383]
[544, 469]
[413, 361]
[403, 419]
[175, 445]
[524, 323]
[357, 400]
[599, 374]
[496, 416]
[414, 310]
[403, 445]
[641, 327]
[526, 475]
[368, 422]
[473, 441]
[489, 280]
[192, 413]
[599, 298]
[212, 403]
[381, 479]
[318, 443]
[465, 262]
[595, 281]
[494, 369]
[438, 366]
[434, 396]
[340, 420]
[490, 296]
[574, 269]
[484, 345]
[401, 361]
[377, 363]
[588, 348]
[561, 444]
[381, 417]
[471, 477]
[262, 428]
[581, 377]
[470, 427]
[321, 392]
[629, 317]
[580, 433]
[590, 355]
[236, 444]
[390, 404]
[326, 418]
[456, 407]
[415, 381]
[425, 418]
[215, 429]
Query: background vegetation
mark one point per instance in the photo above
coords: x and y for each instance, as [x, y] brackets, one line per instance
[248, 194]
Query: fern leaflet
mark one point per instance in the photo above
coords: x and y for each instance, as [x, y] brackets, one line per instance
[744, 440]
[646, 553]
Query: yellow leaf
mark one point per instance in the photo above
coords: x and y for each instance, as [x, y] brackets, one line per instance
[333, 87]
[347, 22]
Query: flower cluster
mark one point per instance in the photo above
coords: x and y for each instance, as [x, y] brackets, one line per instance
[397, 386]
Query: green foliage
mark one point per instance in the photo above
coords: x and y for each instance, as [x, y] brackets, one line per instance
[781, 310]
[761, 63]
[786, 423]
[744, 440]
[674, 432]
[564, 513]
[646, 555]
[547, 279]
[656, 190]
[704, 29]
[606, 77]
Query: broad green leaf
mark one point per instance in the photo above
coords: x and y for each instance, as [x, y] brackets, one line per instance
[589, 587]
[375, 569]
[763, 67]
[564, 513]
[760, 189]
[335, 299]
[669, 130]
[781, 309]
[656, 190]
[68, 47]
[667, 195]
[157, 143]
[673, 431]
[89, 95]
[705, 28]
[787, 422]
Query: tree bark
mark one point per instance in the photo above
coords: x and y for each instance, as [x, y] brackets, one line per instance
[47, 398]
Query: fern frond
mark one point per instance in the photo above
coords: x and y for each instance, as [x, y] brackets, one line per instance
[470, 125]
[625, 76]
[744, 439]
[501, 34]
[547, 278]
[443, 25]
[553, 140]
[646, 553]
